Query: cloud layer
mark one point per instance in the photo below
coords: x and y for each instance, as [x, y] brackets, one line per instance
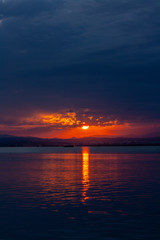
[66, 54]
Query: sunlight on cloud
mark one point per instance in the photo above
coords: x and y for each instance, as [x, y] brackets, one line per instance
[72, 119]
[68, 119]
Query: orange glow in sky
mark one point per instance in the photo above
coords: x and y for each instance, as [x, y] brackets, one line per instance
[71, 124]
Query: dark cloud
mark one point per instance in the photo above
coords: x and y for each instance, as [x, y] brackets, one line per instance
[58, 54]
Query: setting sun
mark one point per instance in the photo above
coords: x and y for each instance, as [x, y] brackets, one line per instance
[85, 127]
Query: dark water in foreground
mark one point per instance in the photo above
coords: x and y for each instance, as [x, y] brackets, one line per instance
[80, 193]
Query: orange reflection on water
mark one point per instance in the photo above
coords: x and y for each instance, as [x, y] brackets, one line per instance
[85, 173]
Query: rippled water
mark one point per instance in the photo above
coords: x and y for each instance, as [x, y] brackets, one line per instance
[80, 193]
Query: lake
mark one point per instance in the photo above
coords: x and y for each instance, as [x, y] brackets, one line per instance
[103, 193]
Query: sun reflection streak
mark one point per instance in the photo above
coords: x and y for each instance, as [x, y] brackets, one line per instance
[85, 173]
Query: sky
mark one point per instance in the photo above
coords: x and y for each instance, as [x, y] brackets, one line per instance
[69, 63]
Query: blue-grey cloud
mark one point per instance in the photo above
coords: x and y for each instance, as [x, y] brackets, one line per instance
[103, 55]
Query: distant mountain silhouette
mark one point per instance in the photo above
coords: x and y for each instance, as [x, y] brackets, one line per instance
[13, 141]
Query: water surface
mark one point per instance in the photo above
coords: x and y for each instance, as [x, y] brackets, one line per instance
[108, 193]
